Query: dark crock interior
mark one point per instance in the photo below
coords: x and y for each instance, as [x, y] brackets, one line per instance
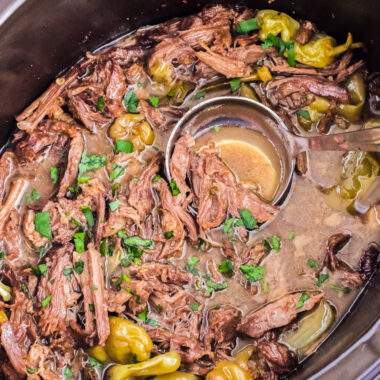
[40, 38]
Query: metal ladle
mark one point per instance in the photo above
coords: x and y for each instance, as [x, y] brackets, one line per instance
[247, 113]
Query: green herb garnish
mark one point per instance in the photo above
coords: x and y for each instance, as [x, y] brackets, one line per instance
[194, 306]
[213, 286]
[312, 263]
[275, 41]
[156, 178]
[123, 146]
[136, 241]
[248, 220]
[253, 273]
[216, 128]
[88, 214]
[54, 172]
[42, 224]
[304, 297]
[83, 179]
[67, 373]
[291, 235]
[190, 265]
[114, 205]
[46, 301]
[116, 172]
[131, 101]
[43, 269]
[168, 234]
[174, 188]
[344, 289]
[100, 104]
[79, 266]
[67, 273]
[199, 95]
[304, 113]
[79, 242]
[235, 84]
[226, 267]
[154, 100]
[321, 279]
[93, 362]
[90, 162]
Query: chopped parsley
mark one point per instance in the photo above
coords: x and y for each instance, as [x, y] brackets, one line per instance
[90, 162]
[154, 100]
[79, 266]
[83, 179]
[312, 263]
[213, 286]
[88, 214]
[93, 362]
[156, 178]
[247, 218]
[291, 235]
[54, 172]
[226, 267]
[42, 224]
[120, 280]
[100, 104]
[35, 195]
[168, 234]
[190, 265]
[103, 247]
[114, 205]
[136, 241]
[321, 279]
[123, 146]
[265, 286]
[31, 370]
[67, 373]
[247, 26]
[117, 171]
[67, 272]
[200, 244]
[144, 317]
[273, 242]
[131, 101]
[253, 273]
[91, 307]
[303, 298]
[2, 254]
[43, 268]
[77, 223]
[235, 84]
[174, 188]
[304, 113]
[46, 301]
[216, 128]
[194, 306]
[28, 199]
[228, 225]
[272, 40]
[344, 289]
[79, 242]
[199, 95]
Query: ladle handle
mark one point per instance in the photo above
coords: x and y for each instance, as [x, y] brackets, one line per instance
[365, 140]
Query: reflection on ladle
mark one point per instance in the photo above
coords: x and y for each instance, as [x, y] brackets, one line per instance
[247, 113]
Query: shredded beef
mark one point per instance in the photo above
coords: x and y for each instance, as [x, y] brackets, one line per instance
[276, 314]
[369, 262]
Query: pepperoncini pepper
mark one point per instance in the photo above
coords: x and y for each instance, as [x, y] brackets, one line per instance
[127, 342]
[5, 292]
[277, 23]
[3, 318]
[177, 376]
[359, 171]
[133, 128]
[357, 93]
[159, 365]
[226, 370]
[321, 52]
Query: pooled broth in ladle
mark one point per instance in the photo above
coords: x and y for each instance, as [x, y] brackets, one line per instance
[250, 156]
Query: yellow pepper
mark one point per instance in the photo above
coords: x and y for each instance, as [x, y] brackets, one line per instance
[177, 376]
[321, 51]
[264, 74]
[127, 342]
[247, 92]
[226, 370]
[134, 128]
[274, 22]
[359, 171]
[159, 365]
[162, 72]
[3, 318]
[5, 292]
[357, 93]
[100, 354]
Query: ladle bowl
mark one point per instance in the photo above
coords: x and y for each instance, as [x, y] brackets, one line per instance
[248, 113]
